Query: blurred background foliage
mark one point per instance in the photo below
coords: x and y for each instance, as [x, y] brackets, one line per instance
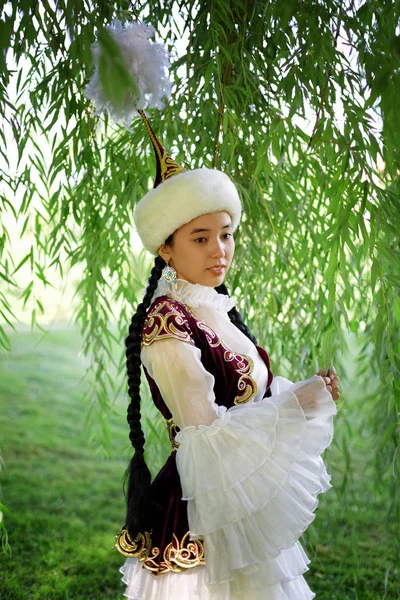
[298, 102]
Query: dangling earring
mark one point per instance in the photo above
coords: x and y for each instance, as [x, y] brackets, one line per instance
[169, 275]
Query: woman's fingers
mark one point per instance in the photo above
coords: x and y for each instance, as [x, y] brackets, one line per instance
[331, 382]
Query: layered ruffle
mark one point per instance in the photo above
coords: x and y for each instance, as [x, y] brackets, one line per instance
[251, 480]
[189, 585]
[193, 584]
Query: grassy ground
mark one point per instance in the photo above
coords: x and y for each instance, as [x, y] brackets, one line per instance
[66, 503]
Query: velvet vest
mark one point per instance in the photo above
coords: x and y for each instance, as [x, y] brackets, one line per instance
[164, 545]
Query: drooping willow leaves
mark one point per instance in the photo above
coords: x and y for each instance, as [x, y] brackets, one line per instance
[297, 101]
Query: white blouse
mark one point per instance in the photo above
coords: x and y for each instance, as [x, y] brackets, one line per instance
[184, 383]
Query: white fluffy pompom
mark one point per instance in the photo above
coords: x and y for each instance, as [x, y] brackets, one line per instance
[146, 63]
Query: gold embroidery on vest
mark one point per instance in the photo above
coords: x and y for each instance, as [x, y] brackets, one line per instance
[138, 548]
[211, 336]
[161, 326]
[245, 383]
[172, 431]
[247, 386]
[178, 556]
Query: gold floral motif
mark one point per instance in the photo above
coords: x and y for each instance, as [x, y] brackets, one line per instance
[138, 548]
[177, 556]
[211, 336]
[244, 385]
[161, 326]
[172, 431]
[247, 386]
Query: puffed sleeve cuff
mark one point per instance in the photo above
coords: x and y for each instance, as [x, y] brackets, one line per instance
[252, 477]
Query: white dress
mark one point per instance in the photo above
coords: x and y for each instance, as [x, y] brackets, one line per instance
[250, 474]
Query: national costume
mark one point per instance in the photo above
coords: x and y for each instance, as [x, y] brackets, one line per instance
[241, 482]
[245, 470]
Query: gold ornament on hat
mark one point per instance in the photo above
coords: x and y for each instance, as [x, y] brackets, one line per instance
[166, 165]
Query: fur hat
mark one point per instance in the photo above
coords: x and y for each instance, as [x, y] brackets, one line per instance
[182, 198]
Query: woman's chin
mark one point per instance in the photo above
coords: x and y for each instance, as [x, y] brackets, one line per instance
[208, 279]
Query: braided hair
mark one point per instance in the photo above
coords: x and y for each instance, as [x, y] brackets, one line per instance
[235, 316]
[138, 475]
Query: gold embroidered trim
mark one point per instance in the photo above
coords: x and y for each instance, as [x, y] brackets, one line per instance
[138, 548]
[247, 386]
[178, 556]
[172, 431]
[161, 326]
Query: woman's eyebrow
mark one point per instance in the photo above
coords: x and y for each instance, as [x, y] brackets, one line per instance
[201, 230]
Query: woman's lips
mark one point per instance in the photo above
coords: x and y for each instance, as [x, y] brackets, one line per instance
[217, 271]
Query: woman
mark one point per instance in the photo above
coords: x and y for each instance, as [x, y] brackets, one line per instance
[222, 519]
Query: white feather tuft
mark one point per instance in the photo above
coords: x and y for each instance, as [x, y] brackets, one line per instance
[146, 63]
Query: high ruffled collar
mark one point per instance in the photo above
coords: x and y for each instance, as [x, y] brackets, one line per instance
[194, 295]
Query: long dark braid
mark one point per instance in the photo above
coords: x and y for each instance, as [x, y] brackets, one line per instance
[138, 474]
[235, 316]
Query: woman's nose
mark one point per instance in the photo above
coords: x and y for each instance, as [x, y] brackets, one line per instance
[218, 248]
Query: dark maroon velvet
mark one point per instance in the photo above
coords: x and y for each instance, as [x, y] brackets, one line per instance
[171, 518]
[166, 488]
[265, 358]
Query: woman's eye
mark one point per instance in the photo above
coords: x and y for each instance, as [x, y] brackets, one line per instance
[224, 235]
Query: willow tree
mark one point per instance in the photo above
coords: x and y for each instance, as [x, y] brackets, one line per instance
[297, 101]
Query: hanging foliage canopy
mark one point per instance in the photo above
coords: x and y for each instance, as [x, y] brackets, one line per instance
[296, 101]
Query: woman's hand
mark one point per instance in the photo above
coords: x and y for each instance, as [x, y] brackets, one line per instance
[331, 382]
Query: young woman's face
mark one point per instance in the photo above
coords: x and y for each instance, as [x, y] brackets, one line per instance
[199, 245]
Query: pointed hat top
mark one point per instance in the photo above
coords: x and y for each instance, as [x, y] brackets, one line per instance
[166, 166]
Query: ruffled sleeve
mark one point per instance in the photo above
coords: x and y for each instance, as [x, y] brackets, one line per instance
[251, 480]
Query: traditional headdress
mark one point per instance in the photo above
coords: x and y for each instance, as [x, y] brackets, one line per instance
[179, 195]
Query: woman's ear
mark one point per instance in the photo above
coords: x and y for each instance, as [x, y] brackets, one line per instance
[164, 252]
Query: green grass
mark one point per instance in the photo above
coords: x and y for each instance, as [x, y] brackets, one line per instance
[65, 498]
[66, 504]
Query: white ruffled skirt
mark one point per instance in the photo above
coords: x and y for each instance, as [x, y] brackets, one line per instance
[251, 481]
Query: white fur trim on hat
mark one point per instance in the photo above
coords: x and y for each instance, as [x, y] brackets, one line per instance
[182, 198]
